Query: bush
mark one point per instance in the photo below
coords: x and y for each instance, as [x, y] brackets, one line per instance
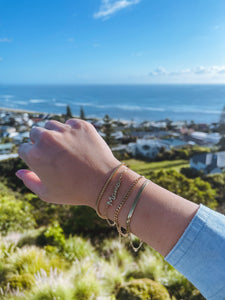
[21, 282]
[148, 264]
[116, 253]
[33, 259]
[49, 293]
[4, 271]
[192, 173]
[182, 153]
[183, 289]
[142, 289]
[52, 236]
[8, 169]
[195, 190]
[15, 214]
[86, 289]
[83, 220]
[29, 238]
[77, 248]
[85, 280]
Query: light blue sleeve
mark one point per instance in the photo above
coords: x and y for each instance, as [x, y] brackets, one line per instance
[200, 253]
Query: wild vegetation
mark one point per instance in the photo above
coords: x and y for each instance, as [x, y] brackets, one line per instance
[66, 252]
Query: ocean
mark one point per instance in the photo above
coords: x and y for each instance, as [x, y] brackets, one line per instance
[200, 103]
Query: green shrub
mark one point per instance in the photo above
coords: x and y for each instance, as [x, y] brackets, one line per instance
[52, 236]
[77, 248]
[116, 252]
[4, 271]
[49, 293]
[83, 220]
[87, 288]
[111, 276]
[148, 264]
[29, 238]
[196, 190]
[32, 259]
[86, 279]
[142, 289]
[21, 281]
[6, 248]
[8, 169]
[180, 288]
[15, 214]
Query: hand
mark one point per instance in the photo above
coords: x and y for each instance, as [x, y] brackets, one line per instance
[68, 163]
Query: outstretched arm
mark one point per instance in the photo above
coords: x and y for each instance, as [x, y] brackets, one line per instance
[69, 164]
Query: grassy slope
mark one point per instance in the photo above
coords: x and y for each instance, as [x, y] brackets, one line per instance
[143, 167]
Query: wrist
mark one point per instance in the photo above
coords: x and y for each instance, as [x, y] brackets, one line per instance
[100, 178]
[113, 203]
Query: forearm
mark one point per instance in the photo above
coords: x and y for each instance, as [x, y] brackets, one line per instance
[69, 163]
[160, 217]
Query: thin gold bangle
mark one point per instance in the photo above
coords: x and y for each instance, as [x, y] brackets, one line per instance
[124, 199]
[104, 188]
[130, 214]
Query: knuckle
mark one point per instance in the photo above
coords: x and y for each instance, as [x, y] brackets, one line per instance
[33, 130]
[46, 137]
[86, 125]
[49, 123]
[34, 157]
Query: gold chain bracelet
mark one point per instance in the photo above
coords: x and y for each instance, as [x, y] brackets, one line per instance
[106, 184]
[130, 214]
[124, 199]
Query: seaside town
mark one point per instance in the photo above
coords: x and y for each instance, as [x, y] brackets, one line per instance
[148, 140]
[38, 240]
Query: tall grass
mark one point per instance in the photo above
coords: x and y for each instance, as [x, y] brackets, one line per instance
[80, 270]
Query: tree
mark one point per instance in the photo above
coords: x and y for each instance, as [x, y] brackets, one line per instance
[221, 144]
[69, 114]
[107, 129]
[222, 122]
[196, 190]
[82, 114]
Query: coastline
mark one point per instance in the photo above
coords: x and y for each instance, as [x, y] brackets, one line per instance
[138, 103]
[20, 110]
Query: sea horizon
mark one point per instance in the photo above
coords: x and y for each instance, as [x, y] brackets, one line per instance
[139, 102]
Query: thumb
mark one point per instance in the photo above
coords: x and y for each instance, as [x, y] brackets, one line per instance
[31, 181]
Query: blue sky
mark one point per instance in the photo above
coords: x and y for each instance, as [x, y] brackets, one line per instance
[112, 41]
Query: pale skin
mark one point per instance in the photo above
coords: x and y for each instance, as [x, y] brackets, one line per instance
[69, 163]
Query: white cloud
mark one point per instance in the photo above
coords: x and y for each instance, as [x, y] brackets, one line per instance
[159, 72]
[5, 40]
[110, 7]
[198, 71]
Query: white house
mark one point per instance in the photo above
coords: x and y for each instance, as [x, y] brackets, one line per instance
[7, 156]
[6, 130]
[210, 163]
[203, 138]
[147, 148]
[6, 148]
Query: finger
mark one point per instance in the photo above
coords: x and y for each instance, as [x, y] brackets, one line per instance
[31, 181]
[55, 125]
[73, 123]
[23, 152]
[35, 134]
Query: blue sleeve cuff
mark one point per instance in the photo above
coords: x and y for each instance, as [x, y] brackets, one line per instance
[200, 253]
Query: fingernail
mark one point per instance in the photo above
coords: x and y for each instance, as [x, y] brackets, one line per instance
[20, 173]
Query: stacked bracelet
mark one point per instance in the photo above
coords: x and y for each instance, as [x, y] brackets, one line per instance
[130, 214]
[118, 209]
[104, 188]
[112, 198]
